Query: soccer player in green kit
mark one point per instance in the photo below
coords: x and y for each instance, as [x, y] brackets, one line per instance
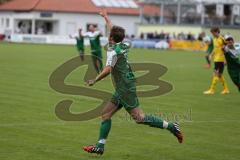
[125, 91]
[96, 48]
[79, 43]
[233, 61]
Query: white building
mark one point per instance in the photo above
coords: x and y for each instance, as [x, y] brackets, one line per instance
[51, 21]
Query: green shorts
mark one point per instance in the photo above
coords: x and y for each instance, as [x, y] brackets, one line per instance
[80, 49]
[97, 54]
[128, 100]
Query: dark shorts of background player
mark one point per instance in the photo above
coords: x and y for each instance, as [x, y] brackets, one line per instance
[219, 67]
[80, 51]
[127, 100]
[97, 54]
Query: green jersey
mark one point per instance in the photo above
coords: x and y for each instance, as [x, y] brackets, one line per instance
[95, 43]
[210, 47]
[209, 41]
[233, 63]
[80, 43]
[123, 77]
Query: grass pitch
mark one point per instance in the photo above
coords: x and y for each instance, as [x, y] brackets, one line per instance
[30, 130]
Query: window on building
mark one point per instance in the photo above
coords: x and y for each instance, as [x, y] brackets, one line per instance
[23, 26]
[46, 27]
[212, 17]
[227, 11]
[210, 10]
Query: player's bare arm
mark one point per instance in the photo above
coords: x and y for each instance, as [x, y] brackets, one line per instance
[81, 32]
[211, 56]
[104, 14]
[106, 71]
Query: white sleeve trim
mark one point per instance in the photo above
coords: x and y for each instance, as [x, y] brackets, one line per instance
[97, 33]
[86, 34]
[111, 58]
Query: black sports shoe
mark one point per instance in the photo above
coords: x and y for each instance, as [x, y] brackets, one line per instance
[177, 132]
[93, 149]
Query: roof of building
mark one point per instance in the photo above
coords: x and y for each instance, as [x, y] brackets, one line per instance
[193, 1]
[78, 6]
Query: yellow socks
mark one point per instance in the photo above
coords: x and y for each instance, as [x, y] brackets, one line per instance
[222, 80]
[214, 83]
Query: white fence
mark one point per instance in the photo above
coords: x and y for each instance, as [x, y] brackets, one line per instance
[47, 39]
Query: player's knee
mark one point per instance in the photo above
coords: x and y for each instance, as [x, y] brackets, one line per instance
[219, 75]
[138, 118]
[105, 116]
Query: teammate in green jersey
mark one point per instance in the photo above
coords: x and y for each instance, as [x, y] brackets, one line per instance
[96, 48]
[233, 60]
[125, 91]
[79, 43]
[209, 41]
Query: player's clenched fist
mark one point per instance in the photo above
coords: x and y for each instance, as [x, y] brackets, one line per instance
[103, 13]
[90, 82]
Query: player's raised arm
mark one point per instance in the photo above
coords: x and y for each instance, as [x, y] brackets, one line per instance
[104, 14]
[80, 32]
[85, 35]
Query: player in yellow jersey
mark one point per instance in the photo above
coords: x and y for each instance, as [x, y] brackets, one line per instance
[219, 61]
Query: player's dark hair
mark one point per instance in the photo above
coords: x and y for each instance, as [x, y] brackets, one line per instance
[230, 39]
[215, 29]
[117, 34]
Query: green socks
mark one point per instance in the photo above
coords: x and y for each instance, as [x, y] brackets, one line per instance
[154, 121]
[104, 131]
[150, 120]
